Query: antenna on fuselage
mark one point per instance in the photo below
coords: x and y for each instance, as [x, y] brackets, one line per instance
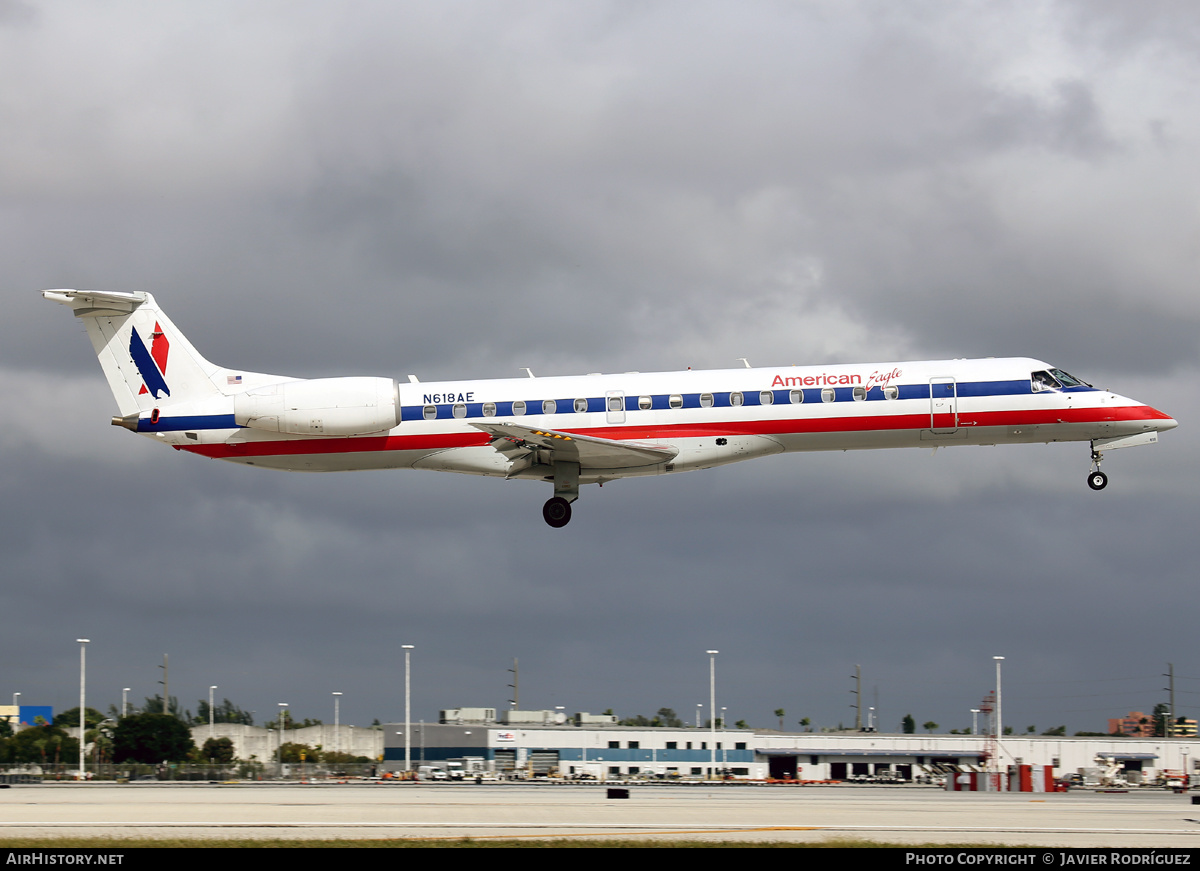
[745, 362]
[527, 371]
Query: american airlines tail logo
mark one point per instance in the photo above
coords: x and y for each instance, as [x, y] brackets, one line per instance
[151, 364]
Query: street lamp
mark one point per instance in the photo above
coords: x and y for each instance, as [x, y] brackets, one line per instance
[83, 642]
[211, 718]
[125, 700]
[407, 710]
[712, 710]
[337, 739]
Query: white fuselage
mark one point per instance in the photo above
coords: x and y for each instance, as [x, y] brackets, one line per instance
[710, 417]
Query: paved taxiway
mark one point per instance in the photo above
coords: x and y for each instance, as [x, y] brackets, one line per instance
[452, 811]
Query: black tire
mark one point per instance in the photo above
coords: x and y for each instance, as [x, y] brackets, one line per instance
[1097, 480]
[557, 512]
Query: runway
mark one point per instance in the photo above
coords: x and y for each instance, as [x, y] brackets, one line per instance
[718, 813]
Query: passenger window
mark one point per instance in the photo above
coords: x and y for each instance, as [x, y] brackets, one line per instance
[706, 400]
[489, 409]
[676, 401]
[580, 406]
[891, 392]
[796, 397]
[519, 407]
[645, 403]
[549, 406]
[460, 410]
[766, 397]
[614, 403]
[735, 399]
[827, 394]
[429, 412]
[859, 394]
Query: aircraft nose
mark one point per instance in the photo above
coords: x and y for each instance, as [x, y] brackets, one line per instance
[1162, 422]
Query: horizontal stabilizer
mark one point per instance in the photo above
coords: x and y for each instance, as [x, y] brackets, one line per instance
[588, 451]
[97, 303]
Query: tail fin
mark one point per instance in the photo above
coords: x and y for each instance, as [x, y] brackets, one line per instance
[147, 361]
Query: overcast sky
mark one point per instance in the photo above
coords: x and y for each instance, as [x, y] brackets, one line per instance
[458, 190]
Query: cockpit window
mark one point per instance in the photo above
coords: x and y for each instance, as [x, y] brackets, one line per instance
[1068, 380]
[1044, 381]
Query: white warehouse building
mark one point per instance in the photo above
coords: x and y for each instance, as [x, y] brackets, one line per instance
[530, 744]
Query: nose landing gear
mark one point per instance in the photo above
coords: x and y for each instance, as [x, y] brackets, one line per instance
[1097, 480]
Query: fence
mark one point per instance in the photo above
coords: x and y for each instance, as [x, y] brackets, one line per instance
[134, 773]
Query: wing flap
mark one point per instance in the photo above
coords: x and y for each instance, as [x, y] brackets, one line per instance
[513, 439]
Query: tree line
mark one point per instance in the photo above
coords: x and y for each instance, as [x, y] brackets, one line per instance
[150, 735]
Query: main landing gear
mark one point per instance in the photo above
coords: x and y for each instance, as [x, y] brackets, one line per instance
[557, 511]
[1097, 480]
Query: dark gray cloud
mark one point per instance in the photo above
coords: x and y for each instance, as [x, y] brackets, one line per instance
[381, 189]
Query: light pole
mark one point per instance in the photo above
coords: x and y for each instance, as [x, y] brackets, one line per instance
[407, 710]
[724, 740]
[712, 711]
[83, 643]
[999, 718]
[999, 725]
[699, 708]
[125, 701]
[211, 719]
[16, 700]
[337, 735]
[282, 713]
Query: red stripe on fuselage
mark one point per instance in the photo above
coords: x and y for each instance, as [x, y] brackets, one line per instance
[791, 426]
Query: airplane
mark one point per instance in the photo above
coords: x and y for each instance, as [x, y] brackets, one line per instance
[590, 429]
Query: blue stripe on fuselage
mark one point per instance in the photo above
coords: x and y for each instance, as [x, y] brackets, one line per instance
[662, 401]
[659, 402]
[189, 421]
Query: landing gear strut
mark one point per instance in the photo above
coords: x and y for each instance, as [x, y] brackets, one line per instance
[1097, 480]
[557, 511]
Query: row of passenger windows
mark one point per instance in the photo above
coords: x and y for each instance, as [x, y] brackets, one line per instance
[646, 403]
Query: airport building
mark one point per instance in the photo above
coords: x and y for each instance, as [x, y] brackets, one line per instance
[540, 743]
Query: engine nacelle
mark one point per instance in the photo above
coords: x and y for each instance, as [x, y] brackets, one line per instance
[321, 406]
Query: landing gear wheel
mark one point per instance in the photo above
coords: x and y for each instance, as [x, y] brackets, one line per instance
[557, 512]
[1097, 480]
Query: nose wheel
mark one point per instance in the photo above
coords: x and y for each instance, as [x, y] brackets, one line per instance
[1097, 480]
[557, 512]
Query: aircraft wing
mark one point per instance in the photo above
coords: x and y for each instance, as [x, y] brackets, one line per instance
[591, 453]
